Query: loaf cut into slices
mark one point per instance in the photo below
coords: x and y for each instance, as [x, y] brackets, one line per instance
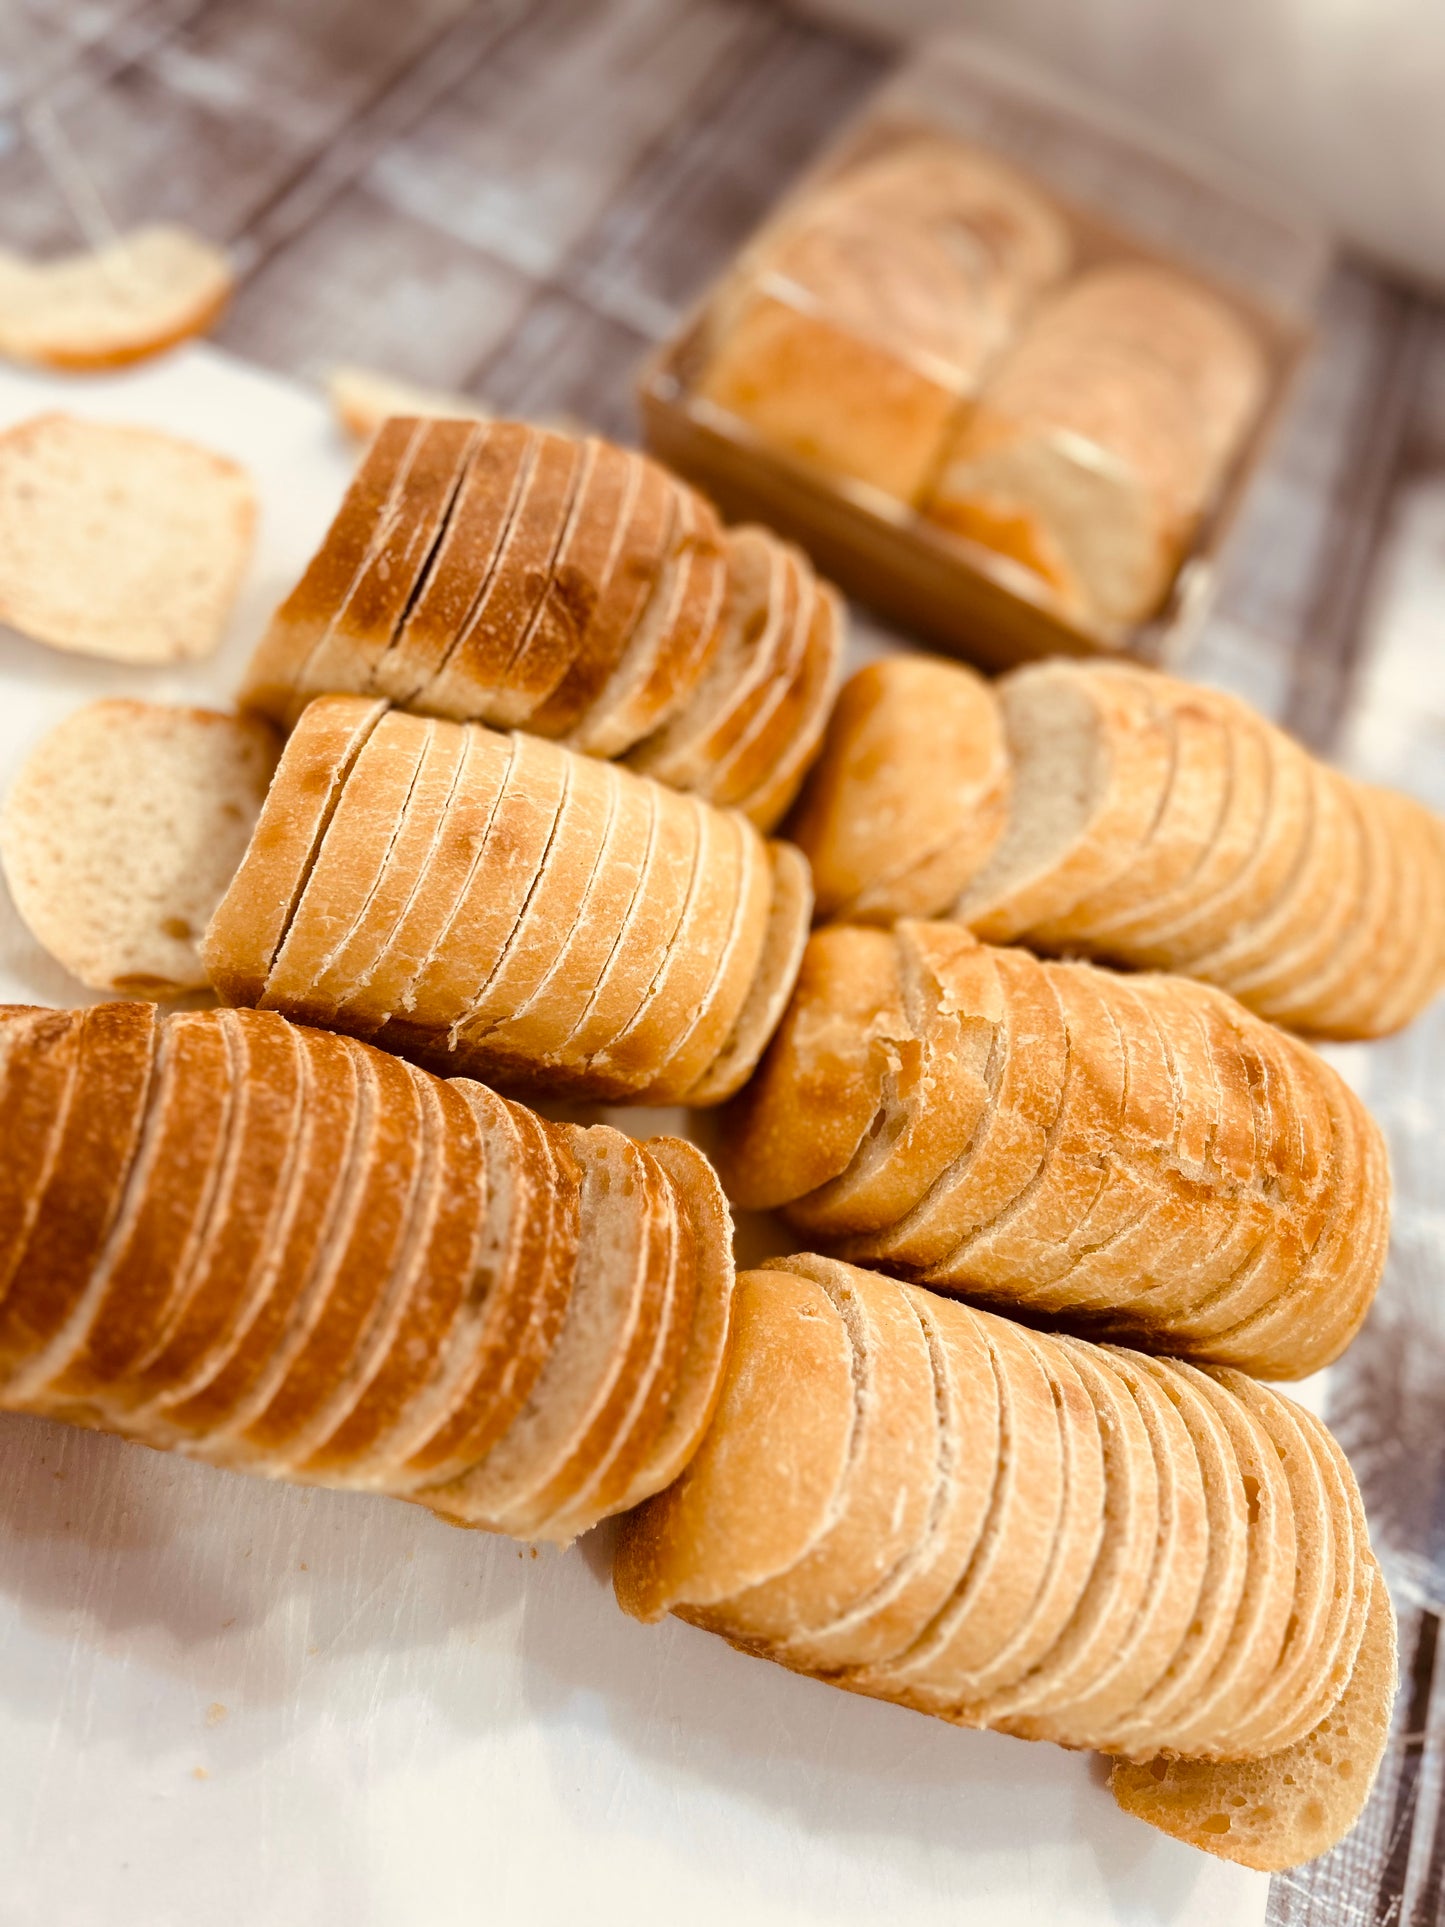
[120, 542]
[121, 834]
[1125, 1156]
[280, 1250]
[363, 398]
[918, 1501]
[510, 907]
[492, 571]
[1135, 819]
[120, 303]
[1101, 436]
[852, 326]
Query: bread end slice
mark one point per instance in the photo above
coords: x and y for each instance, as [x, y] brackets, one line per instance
[121, 835]
[1287, 1808]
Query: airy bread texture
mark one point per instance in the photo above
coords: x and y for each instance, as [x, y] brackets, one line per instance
[508, 907]
[1100, 438]
[140, 295]
[363, 399]
[280, 1250]
[1104, 809]
[122, 832]
[494, 572]
[852, 327]
[921, 1502]
[120, 542]
[1130, 1156]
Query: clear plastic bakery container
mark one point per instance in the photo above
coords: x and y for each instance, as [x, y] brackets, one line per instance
[929, 390]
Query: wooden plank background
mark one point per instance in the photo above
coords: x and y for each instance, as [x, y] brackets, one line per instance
[517, 198]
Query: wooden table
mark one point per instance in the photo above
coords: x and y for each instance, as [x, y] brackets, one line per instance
[518, 200]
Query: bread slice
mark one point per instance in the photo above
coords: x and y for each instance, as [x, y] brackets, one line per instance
[779, 962]
[784, 753]
[39, 1056]
[880, 1506]
[1091, 759]
[363, 398]
[121, 834]
[729, 1522]
[886, 1621]
[133, 298]
[1076, 1544]
[120, 542]
[882, 844]
[1275, 1813]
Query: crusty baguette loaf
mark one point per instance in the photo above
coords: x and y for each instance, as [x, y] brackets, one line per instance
[493, 572]
[515, 909]
[1101, 436]
[920, 1502]
[1124, 1155]
[1108, 810]
[120, 542]
[851, 328]
[284, 1251]
[121, 834]
[140, 295]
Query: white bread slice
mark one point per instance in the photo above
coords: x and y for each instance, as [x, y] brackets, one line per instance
[120, 542]
[1091, 758]
[1277, 1812]
[363, 398]
[122, 832]
[137, 296]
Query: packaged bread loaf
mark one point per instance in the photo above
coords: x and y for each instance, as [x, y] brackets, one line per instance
[500, 573]
[280, 1250]
[852, 328]
[1133, 1156]
[506, 907]
[925, 1503]
[1108, 810]
[1101, 436]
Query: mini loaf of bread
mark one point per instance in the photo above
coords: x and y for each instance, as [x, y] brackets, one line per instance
[499, 573]
[1100, 438]
[504, 907]
[927, 1504]
[1135, 1157]
[852, 327]
[1106, 809]
[282, 1251]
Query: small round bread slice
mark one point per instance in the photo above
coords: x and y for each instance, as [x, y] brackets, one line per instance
[123, 831]
[1274, 1813]
[1090, 757]
[363, 398]
[789, 914]
[759, 1491]
[135, 297]
[783, 753]
[120, 542]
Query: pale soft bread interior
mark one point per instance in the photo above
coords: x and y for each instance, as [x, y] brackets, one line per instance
[1276, 1812]
[120, 542]
[1059, 774]
[122, 833]
[363, 398]
[142, 293]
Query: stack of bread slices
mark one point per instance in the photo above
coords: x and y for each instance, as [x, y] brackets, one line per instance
[500, 573]
[503, 906]
[283, 1251]
[930, 1505]
[1136, 1156]
[1107, 810]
